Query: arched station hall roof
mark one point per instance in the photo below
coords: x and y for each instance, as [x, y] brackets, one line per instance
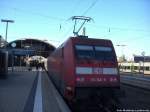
[29, 46]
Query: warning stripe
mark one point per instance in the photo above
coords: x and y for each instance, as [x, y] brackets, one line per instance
[97, 70]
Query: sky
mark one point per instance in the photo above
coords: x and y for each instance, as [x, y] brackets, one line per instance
[125, 22]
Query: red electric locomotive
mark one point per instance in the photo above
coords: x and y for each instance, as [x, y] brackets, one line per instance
[83, 66]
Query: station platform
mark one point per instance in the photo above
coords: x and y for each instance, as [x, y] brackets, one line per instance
[140, 75]
[136, 76]
[138, 80]
[30, 91]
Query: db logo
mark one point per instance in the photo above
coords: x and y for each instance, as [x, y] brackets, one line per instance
[97, 70]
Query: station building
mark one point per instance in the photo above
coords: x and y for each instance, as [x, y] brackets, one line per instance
[140, 64]
[21, 50]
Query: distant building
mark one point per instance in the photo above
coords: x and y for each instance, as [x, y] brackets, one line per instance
[141, 58]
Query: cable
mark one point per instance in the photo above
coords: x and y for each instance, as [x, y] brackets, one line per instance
[72, 11]
[119, 28]
[135, 39]
[75, 8]
[68, 31]
[91, 6]
[86, 11]
[38, 14]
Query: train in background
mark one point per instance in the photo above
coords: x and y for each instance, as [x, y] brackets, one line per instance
[84, 67]
[134, 67]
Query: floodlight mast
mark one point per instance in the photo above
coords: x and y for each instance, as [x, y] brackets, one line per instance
[84, 19]
[6, 21]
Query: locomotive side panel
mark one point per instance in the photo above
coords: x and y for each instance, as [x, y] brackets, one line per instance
[68, 64]
[55, 67]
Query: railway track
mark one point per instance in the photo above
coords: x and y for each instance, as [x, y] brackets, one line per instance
[95, 105]
[137, 81]
[92, 108]
[135, 98]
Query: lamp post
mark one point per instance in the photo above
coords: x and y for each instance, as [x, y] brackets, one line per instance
[121, 45]
[7, 21]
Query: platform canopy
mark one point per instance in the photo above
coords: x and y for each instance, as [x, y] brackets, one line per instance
[31, 47]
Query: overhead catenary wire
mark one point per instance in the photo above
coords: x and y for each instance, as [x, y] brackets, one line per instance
[85, 12]
[61, 20]
[114, 30]
[90, 7]
[38, 14]
[120, 28]
[75, 8]
[134, 39]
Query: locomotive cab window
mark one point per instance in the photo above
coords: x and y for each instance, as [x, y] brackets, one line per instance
[104, 53]
[84, 51]
[94, 52]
